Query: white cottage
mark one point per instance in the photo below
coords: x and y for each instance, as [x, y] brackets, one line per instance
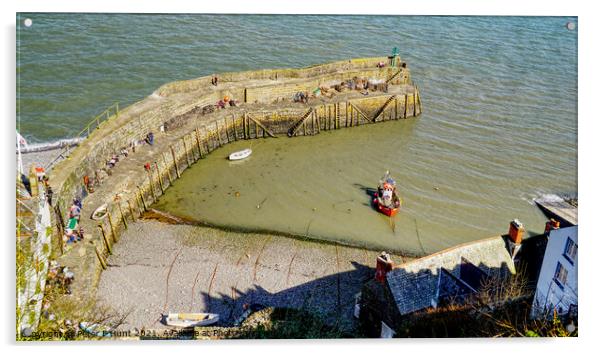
[557, 284]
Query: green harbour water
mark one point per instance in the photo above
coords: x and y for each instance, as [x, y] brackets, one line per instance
[499, 126]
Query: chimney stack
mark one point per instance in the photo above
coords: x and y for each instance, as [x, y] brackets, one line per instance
[552, 224]
[515, 237]
[516, 231]
[384, 264]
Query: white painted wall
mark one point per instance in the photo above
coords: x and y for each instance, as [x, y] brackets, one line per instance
[386, 331]
[549, 294]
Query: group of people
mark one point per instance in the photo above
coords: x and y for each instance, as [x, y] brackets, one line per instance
[74, 232]
[123, 152]
[226, 101]
[301, 97]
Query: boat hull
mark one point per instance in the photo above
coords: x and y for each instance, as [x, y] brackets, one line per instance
[190, 319]
[239, 155]
[100, 212]
[390, 212]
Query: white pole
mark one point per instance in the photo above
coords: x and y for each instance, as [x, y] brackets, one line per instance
[19, 159]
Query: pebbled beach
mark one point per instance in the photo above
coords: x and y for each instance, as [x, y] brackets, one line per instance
[158, 268]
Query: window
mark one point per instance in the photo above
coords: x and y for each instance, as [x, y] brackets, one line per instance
[560, 275]
[570, 250]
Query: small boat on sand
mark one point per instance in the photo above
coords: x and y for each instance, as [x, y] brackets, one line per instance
[100, 212]
[239, 155]
[386, 199]
[191, 319]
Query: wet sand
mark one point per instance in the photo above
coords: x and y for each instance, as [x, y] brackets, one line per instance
[158, 268]
[322, 187]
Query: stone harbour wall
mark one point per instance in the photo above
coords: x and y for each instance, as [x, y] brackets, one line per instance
[130, 189]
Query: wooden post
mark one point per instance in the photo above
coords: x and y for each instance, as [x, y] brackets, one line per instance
[219, 136]
[248, 125]
[113, 232]
[168, 169]
[160, 178]
[142, 198]
[396, 103]
[234, 128]
[104, 237]
[405, 106]
[131, 211]
[125, 223]
[103, 264]
[244, 126]
[318, 119]
[150, 182]
[346, 114]
[334, 115]
[198, 142]
[175, 162]
[186, 151]
[350, 116]
[138, 203]
[227, 133]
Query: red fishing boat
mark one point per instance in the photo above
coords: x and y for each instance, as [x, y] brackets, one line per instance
[386, 199]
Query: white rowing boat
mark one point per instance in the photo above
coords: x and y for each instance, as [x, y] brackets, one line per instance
[191, 319]
[239, 155]
[100, 212]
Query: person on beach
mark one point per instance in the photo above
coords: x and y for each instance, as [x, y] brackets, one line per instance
[214, 80]
[112, 162]
[150, 138]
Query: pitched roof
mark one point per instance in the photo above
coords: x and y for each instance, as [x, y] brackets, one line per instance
[414, 285]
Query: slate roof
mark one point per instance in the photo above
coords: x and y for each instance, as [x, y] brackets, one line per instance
[416, 285]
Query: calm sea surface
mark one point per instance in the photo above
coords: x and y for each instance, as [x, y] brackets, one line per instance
[499, 125]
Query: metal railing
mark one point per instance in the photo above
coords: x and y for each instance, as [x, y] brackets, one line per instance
[93, 124]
